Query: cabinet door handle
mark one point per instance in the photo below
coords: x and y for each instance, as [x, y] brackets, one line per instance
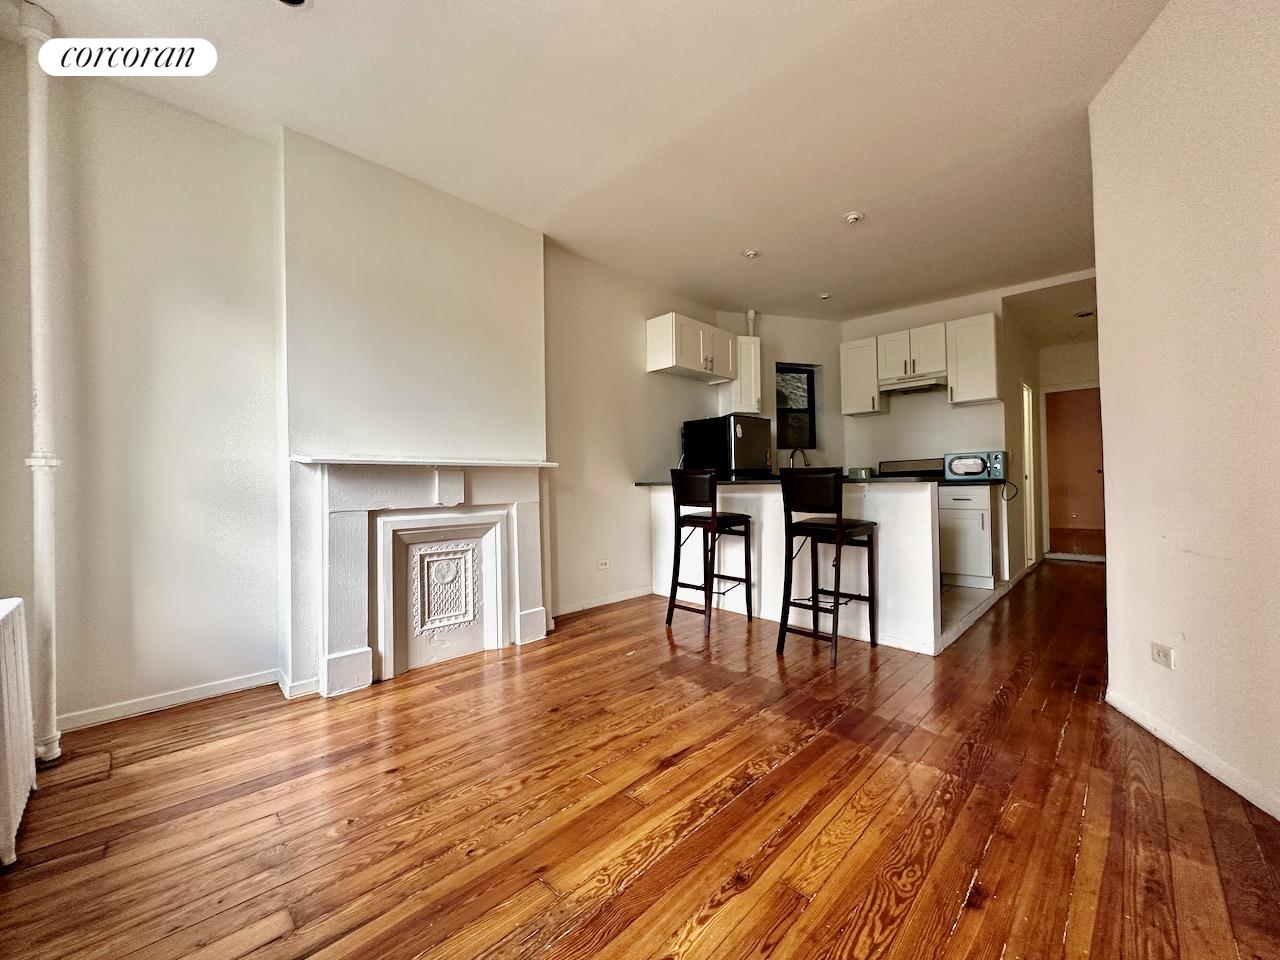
[904, 367]
[913, 364]
[873, 401]
[982, 521]
[965, 499]
[952, 390]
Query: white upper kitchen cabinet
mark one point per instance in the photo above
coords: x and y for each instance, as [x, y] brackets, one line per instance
[721, 353]
[894, 354]
[688, 342]
[687, 347]
[859, 378]
[907, 354]
[743, 394]
[971, 359]
[929, 349]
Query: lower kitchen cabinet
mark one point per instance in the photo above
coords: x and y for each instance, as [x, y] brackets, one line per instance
[966, 540]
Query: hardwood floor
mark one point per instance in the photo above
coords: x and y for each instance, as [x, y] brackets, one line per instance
[624, 791]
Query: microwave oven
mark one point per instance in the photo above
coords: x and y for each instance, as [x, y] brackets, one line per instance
[986, 465]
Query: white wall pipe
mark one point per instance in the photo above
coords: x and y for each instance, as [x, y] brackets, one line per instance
[36, 26]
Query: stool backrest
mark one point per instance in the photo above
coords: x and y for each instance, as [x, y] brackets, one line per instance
[694, 488]
[812, 490]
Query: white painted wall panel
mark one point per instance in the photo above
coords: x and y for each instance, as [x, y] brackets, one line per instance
[414, 320]
[1187, 214]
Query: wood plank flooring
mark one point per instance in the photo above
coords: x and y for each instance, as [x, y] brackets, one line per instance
[625, 791]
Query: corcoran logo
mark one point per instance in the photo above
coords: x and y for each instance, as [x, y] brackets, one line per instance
[127, 57]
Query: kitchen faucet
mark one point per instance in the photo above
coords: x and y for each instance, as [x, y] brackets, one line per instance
[791, 462]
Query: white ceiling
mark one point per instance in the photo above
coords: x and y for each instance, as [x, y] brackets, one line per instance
[1049, 314]
[663, 137]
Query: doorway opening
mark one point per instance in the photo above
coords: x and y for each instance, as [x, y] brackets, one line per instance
[1029, 473]
[1076, 511]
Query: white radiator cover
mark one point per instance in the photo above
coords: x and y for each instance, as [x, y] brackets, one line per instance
[17, 739]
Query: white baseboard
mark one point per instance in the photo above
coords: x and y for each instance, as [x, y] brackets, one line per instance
[898, 643]
[297, 688]
[574, 607]
[78, 719]
[1208, 761]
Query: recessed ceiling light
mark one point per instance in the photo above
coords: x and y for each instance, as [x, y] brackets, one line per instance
[824, 296]
[750, 254]
[294, 3]
[854, 216]
[1083, 314]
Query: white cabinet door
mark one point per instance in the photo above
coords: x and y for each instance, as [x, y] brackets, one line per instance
[964, 542]
[929, 349]
[743, 395]
[719, 348]
[859, 377]
[894, 351]
[971, 359]
[688, 344]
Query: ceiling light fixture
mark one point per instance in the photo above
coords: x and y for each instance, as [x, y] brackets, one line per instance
[824, 296]
[750, 254]
[294, 3]
[854, 217]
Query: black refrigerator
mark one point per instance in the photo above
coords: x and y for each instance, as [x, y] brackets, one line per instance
[734, 446]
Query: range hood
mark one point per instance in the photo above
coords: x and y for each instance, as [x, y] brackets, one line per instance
[928, 381]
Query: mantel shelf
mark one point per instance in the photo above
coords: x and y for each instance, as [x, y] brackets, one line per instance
[417, 462]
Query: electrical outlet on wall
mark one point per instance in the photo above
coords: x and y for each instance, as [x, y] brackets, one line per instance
[602, 564]
[1162, 654]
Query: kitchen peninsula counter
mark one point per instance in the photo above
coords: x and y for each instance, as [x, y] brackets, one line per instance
[905, 511]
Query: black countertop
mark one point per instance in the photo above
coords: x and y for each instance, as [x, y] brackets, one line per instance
[764, 481]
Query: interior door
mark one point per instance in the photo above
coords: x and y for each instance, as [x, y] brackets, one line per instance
[929, 349]
[688, 334]
[1073, 442]
[894, 351]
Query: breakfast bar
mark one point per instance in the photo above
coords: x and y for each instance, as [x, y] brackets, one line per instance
[910, 590]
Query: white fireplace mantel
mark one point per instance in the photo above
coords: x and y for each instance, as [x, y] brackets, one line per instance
[339, 510]
[418, 462]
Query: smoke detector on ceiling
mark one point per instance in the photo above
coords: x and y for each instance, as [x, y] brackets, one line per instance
[750, 254]
[854, 216]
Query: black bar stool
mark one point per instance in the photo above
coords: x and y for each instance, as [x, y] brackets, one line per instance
[821, 490]
[697, 488]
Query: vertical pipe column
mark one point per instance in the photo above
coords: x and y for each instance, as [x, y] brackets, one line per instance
[36, 26]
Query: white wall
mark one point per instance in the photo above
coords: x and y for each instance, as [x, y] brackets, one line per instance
[166, 513]
[609, 424]
[1069, 363]
[799, 340]
[414, 319]
[15, 330]
[1187, 217]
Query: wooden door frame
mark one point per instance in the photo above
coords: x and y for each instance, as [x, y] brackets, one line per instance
[1044, 445]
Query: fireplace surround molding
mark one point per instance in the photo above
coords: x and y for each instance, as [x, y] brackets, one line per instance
[346, 520]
